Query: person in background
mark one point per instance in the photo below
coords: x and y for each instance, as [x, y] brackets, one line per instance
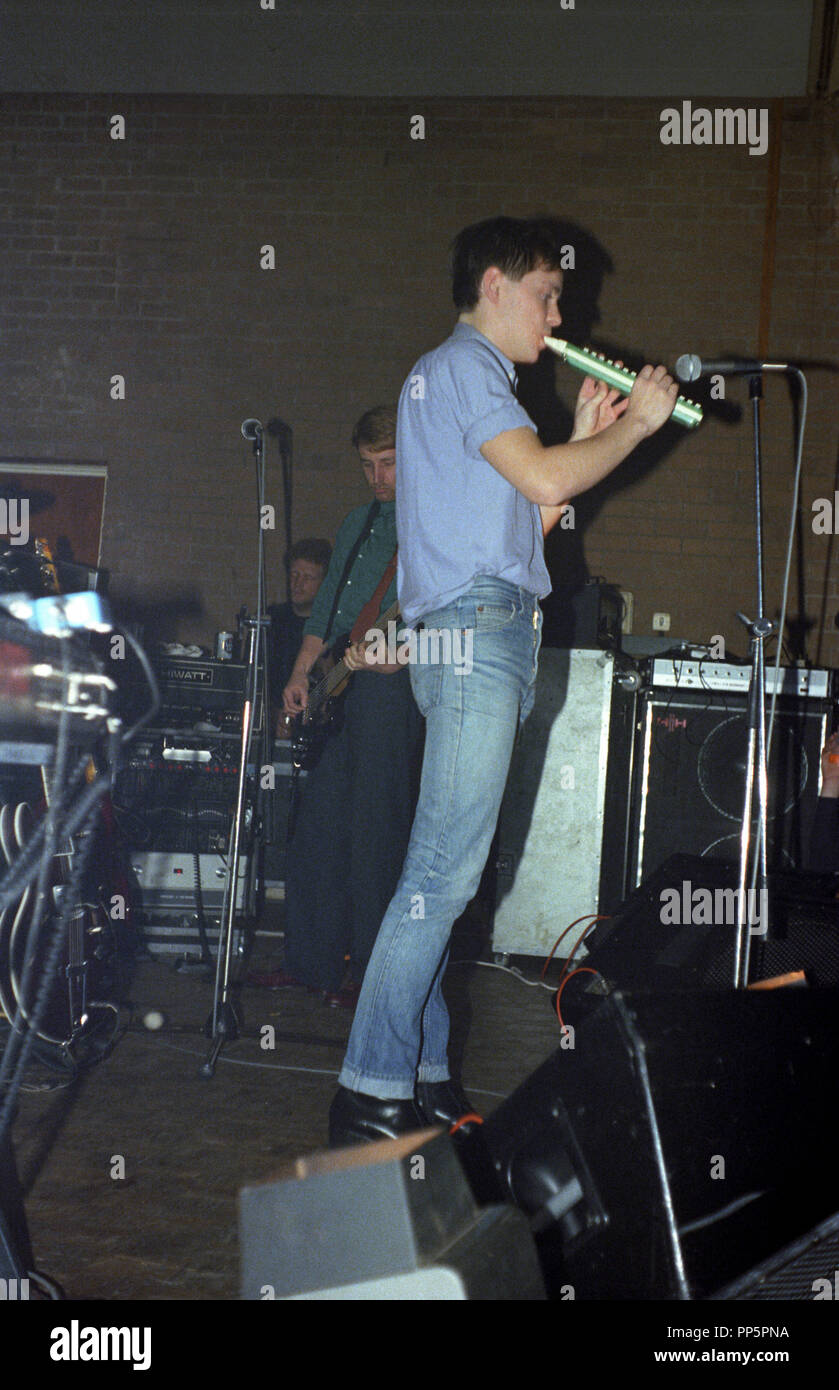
[824, 835]
[357, 802]
[308, 561]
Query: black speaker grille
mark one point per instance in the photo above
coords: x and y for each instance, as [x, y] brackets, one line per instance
[691, 771]
[638, 950]
[793, 1271]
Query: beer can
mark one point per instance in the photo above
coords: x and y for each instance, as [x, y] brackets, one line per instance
[224, 646]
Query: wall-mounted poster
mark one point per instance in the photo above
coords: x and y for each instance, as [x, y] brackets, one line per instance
[60, 502]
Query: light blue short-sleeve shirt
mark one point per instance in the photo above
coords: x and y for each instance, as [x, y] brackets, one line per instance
[456, 516]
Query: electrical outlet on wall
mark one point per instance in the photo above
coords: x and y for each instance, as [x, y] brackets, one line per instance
[661, 622]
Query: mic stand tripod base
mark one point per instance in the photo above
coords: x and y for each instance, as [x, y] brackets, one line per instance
[186, 966]
[228, 1023]
[223, 1023]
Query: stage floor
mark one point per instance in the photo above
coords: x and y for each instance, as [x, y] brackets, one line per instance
[167, 1228]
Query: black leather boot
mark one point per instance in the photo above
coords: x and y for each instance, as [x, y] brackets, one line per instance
[445, 1103]
[355, 1118]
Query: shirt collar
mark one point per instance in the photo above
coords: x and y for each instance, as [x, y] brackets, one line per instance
[465, 330]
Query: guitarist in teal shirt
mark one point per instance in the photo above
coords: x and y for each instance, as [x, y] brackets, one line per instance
[357, 803]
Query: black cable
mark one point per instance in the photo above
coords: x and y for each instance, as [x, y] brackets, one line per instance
[45, 867]
[50, 1055]
[69, 899]
[11, 1259]
[61, 819]
[702, 1221]
[152, 684]
[21, 873]
[206, 955]
[19, 1042]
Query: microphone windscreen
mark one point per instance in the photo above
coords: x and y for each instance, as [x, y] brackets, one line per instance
[688, 367]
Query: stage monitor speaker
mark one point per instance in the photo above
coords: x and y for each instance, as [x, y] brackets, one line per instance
[676, 1144]
[678, 930]
[391, 1220]
[690, 777]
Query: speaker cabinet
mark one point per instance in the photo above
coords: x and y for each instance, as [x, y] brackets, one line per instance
[678, 930]
[677, 1144]
[690, 777]
[805, 1270]
[390, 1220]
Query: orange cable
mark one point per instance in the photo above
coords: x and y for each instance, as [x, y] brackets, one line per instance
[469, 1118]
[603, 918]
[581, 970]
[565, 933]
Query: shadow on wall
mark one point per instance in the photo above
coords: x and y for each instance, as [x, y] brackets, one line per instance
[537, 392]
[158, 615]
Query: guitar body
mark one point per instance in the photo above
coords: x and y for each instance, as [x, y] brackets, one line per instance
[313, 730]
[324, 713]
[311, 736]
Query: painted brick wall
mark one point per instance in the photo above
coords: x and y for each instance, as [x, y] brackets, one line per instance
[140, 257]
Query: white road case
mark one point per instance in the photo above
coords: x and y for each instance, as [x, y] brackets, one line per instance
[551, 827]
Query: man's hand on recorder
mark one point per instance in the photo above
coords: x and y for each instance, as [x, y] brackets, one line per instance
[652, 398]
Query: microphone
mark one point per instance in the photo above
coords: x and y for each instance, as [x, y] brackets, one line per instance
[251, 429]
[689, 367]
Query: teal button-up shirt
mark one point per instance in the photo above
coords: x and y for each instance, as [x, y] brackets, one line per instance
[369, 566]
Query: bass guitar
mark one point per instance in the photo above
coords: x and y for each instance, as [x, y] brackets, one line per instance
[323, 714]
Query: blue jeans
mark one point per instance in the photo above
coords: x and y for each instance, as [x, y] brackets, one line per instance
[401, 1028]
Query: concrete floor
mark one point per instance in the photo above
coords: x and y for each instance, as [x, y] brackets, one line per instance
[131, 1172]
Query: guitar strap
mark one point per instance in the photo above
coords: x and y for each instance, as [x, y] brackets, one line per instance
[373, 606]
[375, 508]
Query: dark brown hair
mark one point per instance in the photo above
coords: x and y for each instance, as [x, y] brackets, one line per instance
[376, 429]
[513, 244]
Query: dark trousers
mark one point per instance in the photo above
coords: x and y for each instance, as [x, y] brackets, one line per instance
[353, 825]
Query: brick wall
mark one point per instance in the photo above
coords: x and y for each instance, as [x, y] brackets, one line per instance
[141, 257]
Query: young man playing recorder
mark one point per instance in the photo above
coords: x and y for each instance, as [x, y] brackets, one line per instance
[477, 493]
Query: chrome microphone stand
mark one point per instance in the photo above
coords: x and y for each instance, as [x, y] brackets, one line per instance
[756, 756]
[224, 1023]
